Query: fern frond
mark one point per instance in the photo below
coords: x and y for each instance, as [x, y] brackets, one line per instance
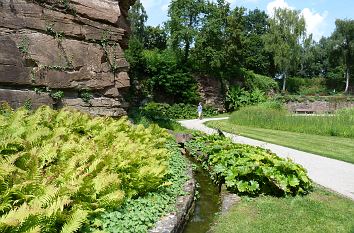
[75, 222]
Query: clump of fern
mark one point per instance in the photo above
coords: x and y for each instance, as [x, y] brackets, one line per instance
[57, 168]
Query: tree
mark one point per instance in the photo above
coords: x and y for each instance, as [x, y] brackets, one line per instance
[138, 17]
[155, 38]
[344, 36]
[185, 17]
[256, 58]
[218, 46]
[286, 28]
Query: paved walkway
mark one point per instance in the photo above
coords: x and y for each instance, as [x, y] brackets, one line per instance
[333, 174]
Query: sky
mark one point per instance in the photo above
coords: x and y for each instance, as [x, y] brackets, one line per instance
[320, 15]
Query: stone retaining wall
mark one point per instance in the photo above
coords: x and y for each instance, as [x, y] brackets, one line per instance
[50, 46]
[319, 106]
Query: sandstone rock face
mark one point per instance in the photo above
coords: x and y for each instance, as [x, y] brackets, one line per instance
[63, 49]
[211, 92]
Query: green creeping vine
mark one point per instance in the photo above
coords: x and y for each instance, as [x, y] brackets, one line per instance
[247, 169]
[59, 169]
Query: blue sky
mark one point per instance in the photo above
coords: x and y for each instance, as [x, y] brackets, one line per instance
[320, 15]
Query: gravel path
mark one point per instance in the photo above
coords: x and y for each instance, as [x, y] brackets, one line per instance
[333, 174]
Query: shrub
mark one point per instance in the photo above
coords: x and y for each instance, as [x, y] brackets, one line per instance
[247, 169]
[59, 168]
[237, 97]
[168, 80]
[158, 111]
[306, 86]
[256, 81]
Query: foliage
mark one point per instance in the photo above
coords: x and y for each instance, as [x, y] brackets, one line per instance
[336, 99]
[139, 117]
[254, 81]
[344, 36]
[185, 16]
[283, 40]
[338, 148]
[85, 95]
[341, 124]
[138, 215]
[218, 45]
[237, 97]
[168, 81]
[256, 57]
[307, 86]
[137, 17]
[59, 168]
[249, 170]
[176, 111]
[24, 46]
[57, 95]
[155, 38]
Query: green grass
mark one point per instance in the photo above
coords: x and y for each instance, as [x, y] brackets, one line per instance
[329, 146]
[262, 116]
[320, 211]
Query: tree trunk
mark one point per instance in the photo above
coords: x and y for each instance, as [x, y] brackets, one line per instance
[347, 81]
[284, 82]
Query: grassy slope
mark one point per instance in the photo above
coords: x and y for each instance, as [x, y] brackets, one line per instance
[320, 211]
[332, 147]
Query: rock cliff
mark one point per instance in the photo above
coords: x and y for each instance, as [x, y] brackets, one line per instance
[65, 53]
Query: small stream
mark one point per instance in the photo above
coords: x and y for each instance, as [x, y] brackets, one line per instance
[206, 206]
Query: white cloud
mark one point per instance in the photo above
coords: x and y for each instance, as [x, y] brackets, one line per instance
[315, 22]
[165, 7]
[275, 5]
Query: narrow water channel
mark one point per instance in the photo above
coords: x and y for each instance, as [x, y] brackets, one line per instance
[206, 206]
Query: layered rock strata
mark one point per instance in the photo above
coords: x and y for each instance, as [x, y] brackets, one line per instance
[65, 53]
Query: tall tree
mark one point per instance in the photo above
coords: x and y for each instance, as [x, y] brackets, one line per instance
[344, 36]
[185, 17]
[138, 17]
[218, 46]
[155, 38]
[286, 28]
[256, 58]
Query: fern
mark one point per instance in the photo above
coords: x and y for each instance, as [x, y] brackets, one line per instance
[59, 167]
[75, 222]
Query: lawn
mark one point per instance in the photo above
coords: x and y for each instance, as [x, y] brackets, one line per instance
[329, 146]
[264, 116]
[320, 211]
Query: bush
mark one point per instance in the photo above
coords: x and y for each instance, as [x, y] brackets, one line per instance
[247, 169]
[306, 86]
[159, 111]
[237, 97]
[60, 168]
[168, 80]
[255, 81]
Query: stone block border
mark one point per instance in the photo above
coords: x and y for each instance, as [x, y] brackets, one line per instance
[174, 222]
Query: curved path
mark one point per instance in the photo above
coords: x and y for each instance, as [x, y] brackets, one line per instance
[330, 173]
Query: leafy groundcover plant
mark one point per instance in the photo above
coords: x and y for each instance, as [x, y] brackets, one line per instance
[64, 171]
[249, 170]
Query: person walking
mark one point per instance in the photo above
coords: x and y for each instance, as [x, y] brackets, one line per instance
[200, 110]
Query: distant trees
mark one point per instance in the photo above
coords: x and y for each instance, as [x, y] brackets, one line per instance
[209, 38]
[344, 38]
[283, 40]
[185, 19]
[256, 57]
